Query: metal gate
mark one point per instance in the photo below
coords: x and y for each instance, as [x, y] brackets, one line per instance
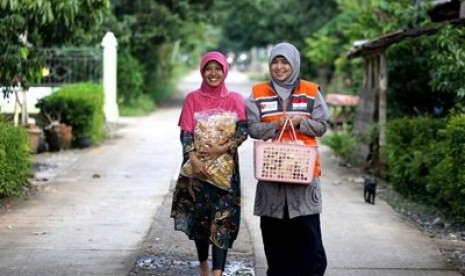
[71, 65]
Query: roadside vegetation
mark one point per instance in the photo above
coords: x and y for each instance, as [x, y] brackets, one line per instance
[15, 160]
[425, 118]
[158, 41]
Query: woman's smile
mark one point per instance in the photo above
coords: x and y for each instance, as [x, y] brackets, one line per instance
[213, 73]
[280, 68]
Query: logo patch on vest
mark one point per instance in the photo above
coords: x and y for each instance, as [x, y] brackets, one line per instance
[268, 106]
[299, 104]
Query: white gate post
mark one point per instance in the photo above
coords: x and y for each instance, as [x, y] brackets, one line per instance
[110, 108]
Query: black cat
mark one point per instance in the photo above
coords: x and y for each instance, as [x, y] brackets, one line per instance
[369, 191]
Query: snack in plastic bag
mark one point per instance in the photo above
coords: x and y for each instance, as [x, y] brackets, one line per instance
[217, 127]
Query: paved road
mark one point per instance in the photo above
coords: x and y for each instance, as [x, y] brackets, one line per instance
[108, 204]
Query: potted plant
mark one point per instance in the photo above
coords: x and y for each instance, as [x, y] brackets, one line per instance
[84, 111]
[79, 115]
[58, 134]
[79, 106]
[35, 135]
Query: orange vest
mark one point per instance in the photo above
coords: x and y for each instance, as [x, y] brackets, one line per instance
[301, 102]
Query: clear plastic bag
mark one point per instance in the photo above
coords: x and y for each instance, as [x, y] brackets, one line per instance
[217, 127]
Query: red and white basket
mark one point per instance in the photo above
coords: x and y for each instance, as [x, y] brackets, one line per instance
[284, 162]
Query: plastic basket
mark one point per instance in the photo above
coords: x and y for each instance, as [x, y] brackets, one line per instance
[284, 162]
[281, 162]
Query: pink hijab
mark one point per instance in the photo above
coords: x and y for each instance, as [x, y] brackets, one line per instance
[207, 97]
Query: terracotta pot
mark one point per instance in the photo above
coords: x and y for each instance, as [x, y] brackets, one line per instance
[59, 137]
[66, 136]
[35, 134]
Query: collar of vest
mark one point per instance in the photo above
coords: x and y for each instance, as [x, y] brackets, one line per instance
[265, 89]
[297, 83]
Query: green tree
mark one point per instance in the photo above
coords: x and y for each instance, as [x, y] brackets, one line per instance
[156, 32]
[26, 25]
[260, 23]
[448, 60]
[357, 20]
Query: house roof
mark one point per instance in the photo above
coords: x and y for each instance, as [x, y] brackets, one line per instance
[383, 42]
[341, 100]
[444, 10]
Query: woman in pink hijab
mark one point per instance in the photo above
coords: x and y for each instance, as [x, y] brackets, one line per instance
[206, 213]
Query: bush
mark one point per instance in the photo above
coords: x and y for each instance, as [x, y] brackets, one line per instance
[15, 159]
[136, 107]
[341, 142]
[426, 158]
[411, 143]
[79, 105]
[160, 81]
[130, 79]
[447, 179]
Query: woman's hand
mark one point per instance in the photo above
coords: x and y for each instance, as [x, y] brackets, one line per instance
[213, 151]
[278, 123]
[295, 120]
[198, 166]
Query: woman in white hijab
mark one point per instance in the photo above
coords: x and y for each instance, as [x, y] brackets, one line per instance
[289, 213]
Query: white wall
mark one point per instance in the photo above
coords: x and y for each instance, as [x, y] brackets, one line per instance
[34, 93]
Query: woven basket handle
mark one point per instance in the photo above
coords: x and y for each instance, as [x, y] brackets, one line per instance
[293, 134]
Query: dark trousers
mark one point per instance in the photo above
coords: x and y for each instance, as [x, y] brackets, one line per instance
[218, 254]
[293, 247]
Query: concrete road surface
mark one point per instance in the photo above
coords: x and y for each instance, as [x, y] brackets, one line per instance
[97, 213]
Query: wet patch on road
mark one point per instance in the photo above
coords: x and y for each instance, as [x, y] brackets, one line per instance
[176, 265]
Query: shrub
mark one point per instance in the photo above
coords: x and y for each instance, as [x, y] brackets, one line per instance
[447, 179]
[15, 159]
[130, 79]
[136, 107]
[79, 105]
[426, 158]
[411, 147]
[341, 142]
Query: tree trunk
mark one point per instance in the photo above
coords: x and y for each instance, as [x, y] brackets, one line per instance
[323, 78]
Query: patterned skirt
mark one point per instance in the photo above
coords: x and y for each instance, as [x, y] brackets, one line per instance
[203, 211]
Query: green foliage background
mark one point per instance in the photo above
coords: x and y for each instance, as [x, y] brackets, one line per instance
[26, 25]
[429, 167]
